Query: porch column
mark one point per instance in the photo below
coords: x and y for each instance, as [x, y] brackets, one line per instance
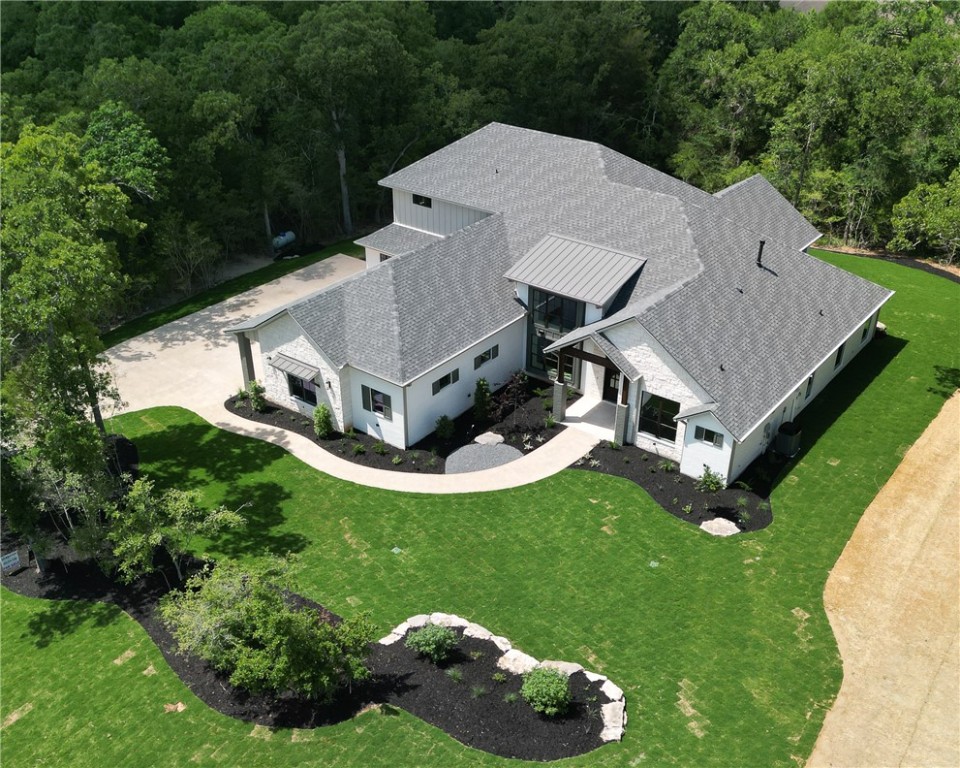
[560, 393]
[620, 419]
[246, 359]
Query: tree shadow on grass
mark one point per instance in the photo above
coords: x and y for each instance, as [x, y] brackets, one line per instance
[60, 618]
[176, 454]
[263, 509]
[948, 381]
[840, 393]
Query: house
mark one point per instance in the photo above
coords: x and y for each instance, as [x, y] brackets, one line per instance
[695, 324]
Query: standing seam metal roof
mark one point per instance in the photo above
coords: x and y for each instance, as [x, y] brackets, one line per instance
[590, 273]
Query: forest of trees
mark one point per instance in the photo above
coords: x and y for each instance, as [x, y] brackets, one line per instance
[224, 123]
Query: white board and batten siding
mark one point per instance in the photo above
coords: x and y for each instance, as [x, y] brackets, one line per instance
[424, 407]
[662, 376]
[441, 218]
[283, 335]
[762, 436]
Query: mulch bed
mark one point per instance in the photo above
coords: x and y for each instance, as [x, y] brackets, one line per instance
[520, 422]
[479, 719]
[746, 503]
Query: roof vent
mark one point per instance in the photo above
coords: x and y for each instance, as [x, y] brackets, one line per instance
[760, 253]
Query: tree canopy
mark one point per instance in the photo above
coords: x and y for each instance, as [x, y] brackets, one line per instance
[224, 123]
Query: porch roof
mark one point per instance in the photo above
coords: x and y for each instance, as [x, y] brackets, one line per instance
[289, 365]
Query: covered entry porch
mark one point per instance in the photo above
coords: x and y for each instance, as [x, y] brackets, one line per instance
[604, 408]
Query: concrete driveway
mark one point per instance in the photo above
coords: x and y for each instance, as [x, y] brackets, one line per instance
[192, 363]
[893, 600]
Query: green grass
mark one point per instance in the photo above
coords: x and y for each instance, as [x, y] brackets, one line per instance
[721, 645]
[223, 291]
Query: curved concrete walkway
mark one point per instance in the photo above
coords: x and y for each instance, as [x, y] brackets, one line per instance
[192, 363]
[893, 600]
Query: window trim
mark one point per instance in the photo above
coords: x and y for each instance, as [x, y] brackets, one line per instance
[671, 426]
[451, 377]
[422, 200]
[368, 401]
[709, 436]
[486, 356]
[305, 387]
[838, 361]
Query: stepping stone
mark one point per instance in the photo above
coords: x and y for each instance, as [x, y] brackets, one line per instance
[720, 527]
[488, 438]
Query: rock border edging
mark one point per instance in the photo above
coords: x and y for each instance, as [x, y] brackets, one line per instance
[517, 662]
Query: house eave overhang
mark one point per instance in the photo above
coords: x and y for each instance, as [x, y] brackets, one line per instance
[807, 375]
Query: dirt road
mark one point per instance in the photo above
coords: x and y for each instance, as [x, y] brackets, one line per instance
[893, 600]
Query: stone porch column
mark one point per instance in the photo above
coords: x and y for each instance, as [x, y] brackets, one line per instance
[559, 401]
[620, 419]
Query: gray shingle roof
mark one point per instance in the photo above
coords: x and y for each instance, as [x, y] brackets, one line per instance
[397, 240]
[762, 324]
[755, 203]
[700, 292]
[589, 273]
[403, 318]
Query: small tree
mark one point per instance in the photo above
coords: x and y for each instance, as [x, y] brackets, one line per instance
[481, 402]
[242, 623]
[256, 393]
[169, 521]
[322, 421]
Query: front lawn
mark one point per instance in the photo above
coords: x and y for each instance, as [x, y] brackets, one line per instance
[721, 645]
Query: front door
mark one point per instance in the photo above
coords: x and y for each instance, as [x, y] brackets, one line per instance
[611, 385]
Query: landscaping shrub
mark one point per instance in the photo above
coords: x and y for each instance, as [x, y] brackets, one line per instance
[547, 691]
[445, 428]
[256, 392]
[481, 402]
[240, 622]
[709, 481]
[322, 421]
[433, 641]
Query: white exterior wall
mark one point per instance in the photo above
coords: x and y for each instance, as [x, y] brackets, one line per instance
[662, 376]
[372, 257]
[424, 408]
[442, 218]
[591, 375]
[696, 453]
[389, 430]
[756, 443]
[284, 335]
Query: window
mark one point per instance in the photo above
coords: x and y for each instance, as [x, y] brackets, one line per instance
[487, 356]
[376, 402]
[302, 389]
[384, 257]
[709, 436]
[420, 200]
[809, 386]
[555, 312]
[836, 363]
[445, 381]
[656, 418]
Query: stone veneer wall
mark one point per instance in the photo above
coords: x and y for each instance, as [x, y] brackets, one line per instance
[516, 662]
